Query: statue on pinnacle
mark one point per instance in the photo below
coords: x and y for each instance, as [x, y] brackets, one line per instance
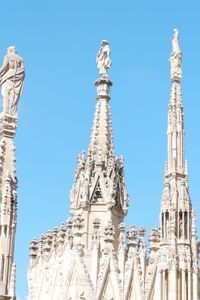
[11, 80]
[175, 42]
[176, 57]
[103, 60]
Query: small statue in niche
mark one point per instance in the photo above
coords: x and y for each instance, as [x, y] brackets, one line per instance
[11, 80]
[103, 59]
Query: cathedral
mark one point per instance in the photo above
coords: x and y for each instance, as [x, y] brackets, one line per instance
[93, 256]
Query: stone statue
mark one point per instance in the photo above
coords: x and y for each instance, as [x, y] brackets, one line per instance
[12, 80]
[175, 42]
[176, 57]
[103, 59]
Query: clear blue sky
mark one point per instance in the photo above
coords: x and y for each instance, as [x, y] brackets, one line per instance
[59, 40]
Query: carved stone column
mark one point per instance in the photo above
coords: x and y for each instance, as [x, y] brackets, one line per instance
[183, 285]
[8, 200]
[172, 294]
[11, 82]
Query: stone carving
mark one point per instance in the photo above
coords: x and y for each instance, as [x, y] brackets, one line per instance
[132, 240]
[122, 236]
[141, 242]
[109, 231]
[12, 80]
[80, 164]
[87, 259]
[82, 296]
[165, 258]
[33, 248]
[175, 42]
[9, 80]
[96, 235]
[176, 57]
[103, 59]
[62, 233]
[12, 291]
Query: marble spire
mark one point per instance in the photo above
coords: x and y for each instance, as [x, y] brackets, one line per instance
[175, 132]
[101, 141]
[177, 262]
[11, 82]
[88, 246]
[175, 197]
[90, 256]
[99, 178]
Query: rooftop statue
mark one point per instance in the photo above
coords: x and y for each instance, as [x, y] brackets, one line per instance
[175, 42]
[11, 80]
[176, 57]
[103, 59]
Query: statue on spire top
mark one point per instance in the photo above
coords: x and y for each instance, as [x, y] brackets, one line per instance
[176, 58]
[175, 42]
[11, 80]
[103, 60]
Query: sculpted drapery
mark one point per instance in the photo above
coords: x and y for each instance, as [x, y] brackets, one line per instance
[103, 59]
[11, 80]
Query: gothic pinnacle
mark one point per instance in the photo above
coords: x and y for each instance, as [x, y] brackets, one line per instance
[175, 131]
[103, 60]
[176, 58]
[11, 82]
[101, 138]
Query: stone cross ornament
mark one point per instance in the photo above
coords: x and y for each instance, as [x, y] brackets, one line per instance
[11, 81]
[103, 60]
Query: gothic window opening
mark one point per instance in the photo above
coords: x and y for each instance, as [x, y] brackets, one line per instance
[186, 283]
[167, 224]
[186, 225]
[176, 224]
[190, 225]
[180, 224]
[5, 230]
[97, 194]
[162, 225]
[2, 267]
[180, 283]
[166, 284]
[118, 197]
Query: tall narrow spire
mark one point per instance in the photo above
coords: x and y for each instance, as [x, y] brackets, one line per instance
[175, 195]
[11, 81]
[175, 131]
[178, 248]
[99, 187]
[101, 143]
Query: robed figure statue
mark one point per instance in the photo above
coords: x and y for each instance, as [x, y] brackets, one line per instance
[176, 57]
[103, 59]
[11, 80]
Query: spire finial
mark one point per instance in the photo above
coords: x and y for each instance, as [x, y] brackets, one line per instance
[175, 42]
[103, 60]
[11, 80]
[176, 58]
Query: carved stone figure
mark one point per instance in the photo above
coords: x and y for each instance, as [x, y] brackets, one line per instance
[176, 57]
[94, 259]
[103, 59]
[12, 80]
[175, 42]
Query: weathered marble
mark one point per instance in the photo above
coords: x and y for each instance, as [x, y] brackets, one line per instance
[103, 59]
[11, 80]
[91, 256]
